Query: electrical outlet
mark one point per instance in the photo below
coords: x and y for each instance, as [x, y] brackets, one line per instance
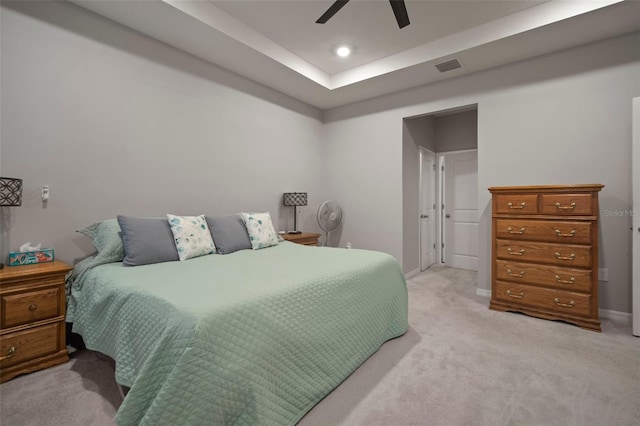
[603, 274]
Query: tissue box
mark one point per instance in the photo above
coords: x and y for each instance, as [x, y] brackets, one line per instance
[17, 258]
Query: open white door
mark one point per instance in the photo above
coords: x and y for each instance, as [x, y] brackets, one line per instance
[460, 222]
[635, 272]
[427, 208]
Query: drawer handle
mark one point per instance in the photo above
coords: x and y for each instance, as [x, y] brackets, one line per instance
[517, 253]
[571, 304]
[570, 234]
[515, 296]
[12, 350]
[511, 231]
[569, 207]
[33, 307]
[520, 275]
[521, 206]
[570, 281]
[572, 256]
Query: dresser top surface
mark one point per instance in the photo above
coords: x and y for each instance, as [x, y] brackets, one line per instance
[548, 188]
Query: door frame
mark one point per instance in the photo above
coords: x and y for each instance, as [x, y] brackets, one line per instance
[635, 172]
[421, 151]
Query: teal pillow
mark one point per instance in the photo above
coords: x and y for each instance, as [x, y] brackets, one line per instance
[107, 240]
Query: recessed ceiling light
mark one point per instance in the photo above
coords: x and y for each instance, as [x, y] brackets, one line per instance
[343, 51]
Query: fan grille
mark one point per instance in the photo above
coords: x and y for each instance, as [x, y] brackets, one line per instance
[329, 216]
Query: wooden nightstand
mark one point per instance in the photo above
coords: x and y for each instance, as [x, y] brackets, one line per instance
[305, 238]
[32, 334]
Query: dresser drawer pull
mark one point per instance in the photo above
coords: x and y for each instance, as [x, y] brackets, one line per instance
[571, 304]
[515, 296]
[570, 234]
[572, 256]
[516, 253]
[521, 206]
[569, 207]
[520, 232]
[511, 274]
[12, 350]
[33, 307]
[570, 281]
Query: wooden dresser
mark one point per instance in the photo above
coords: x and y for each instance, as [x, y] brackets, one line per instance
[304, 238]
[33, 301]
[545, 252]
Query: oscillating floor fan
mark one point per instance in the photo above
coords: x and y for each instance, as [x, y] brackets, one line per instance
[329, 218]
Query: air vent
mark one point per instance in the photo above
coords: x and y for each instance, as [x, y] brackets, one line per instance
[449, 65]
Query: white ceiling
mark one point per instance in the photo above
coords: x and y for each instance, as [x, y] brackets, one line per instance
[277, 42]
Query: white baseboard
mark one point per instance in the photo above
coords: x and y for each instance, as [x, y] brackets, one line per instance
[615, 316]
[412, 274]
[483, 292]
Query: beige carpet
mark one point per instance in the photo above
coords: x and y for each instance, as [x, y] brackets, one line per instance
[459, 364]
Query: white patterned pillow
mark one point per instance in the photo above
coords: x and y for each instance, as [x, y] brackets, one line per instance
[191, 235]
[260, 228]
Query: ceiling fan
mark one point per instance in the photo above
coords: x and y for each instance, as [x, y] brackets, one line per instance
[398, 6]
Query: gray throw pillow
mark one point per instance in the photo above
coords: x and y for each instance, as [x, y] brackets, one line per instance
[147, 240]
[229, 233]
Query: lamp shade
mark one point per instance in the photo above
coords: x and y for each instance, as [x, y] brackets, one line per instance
[294, 199]
[10, 192]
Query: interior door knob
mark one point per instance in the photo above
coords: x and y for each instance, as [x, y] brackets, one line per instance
[447, 215]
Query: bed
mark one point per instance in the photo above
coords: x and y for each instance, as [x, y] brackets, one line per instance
[252, 337]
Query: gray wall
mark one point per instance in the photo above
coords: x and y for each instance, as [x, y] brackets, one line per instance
[456, 132]
[558, 119]
[118, 123]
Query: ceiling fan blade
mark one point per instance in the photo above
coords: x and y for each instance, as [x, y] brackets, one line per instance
[400, 10]
[335, 7]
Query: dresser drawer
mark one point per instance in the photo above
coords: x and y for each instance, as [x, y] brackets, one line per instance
[566, 204]
[22, 308]
[516, 203]
[559, 301]
[554, 254]
[552, 231]
[28, 344]
[550, 276]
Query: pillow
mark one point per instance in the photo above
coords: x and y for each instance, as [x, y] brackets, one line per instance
[229, 233]
[106, 239]
[191, 236]
[260, 228]
[146, 240]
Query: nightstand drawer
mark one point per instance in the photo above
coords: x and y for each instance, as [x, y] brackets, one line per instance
[28, 344]
[31, 306]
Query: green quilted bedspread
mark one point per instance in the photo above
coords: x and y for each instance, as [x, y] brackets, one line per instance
[253, 337]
